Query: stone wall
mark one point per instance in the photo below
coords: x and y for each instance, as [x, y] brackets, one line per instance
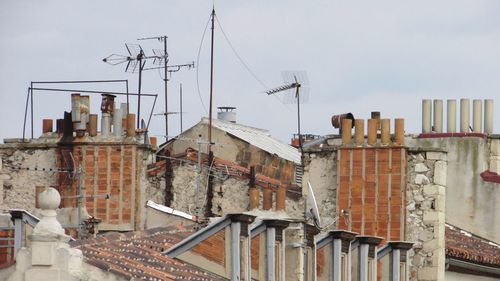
[425, 213]
[22, 168]
[473, 204]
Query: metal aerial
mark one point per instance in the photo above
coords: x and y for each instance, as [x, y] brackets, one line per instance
[161, 59]
[136, 57]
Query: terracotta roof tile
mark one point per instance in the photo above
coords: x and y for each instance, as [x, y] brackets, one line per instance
[465, 246]
[139, 255]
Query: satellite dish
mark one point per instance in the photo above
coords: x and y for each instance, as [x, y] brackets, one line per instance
[314, 206]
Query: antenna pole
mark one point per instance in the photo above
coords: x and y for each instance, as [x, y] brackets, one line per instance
[211, 82]
[139, 92]
[180, 98]
[166, 87]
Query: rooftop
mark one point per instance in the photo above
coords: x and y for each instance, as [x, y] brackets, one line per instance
[465, 246]
[257, 137]
[139, 254]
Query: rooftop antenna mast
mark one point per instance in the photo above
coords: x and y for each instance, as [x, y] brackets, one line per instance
[162, 58]
[136, 57]
[296, 91]
[211, 81]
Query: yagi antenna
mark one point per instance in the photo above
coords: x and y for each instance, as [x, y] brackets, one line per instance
[314, 206]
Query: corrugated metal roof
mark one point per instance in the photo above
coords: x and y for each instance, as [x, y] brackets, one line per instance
[259, 138]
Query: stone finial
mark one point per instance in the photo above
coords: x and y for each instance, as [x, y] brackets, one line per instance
[49, 201]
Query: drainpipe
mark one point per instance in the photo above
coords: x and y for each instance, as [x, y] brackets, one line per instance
[398, 255]
[367, 245]
[270, 254]
[240, 231]
[339, 237]
[274, 234]
[235, 250]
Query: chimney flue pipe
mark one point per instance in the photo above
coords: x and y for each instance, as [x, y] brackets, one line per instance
[464, 115]
[426, 116]
[385, 131]
[359, 131]
[438, 116]
[451, 121]
[477, 115]
[488, 116]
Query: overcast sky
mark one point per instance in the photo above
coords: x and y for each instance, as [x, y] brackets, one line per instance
[360, 56]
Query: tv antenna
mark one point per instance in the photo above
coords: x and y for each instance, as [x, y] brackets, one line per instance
[296, 88]
[162, 59]
[136, 57]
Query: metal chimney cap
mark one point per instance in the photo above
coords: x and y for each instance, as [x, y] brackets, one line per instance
[226, 108]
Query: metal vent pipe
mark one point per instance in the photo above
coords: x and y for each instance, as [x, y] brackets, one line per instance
[105, 125]
[464, 115]
[117, 122]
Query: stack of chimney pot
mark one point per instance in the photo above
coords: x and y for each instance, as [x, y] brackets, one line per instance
[254, 196]
[347, 131]
[399, 131]
[385, 131]
[426, 116]
[105, 123]
[477, 125]
[373, 125]
[372, 131]
[131, 125]
[438, 116]
[93, 125]
[451, 119]
[359, 131]
[268, 199]
[47, 126]
[464, 115]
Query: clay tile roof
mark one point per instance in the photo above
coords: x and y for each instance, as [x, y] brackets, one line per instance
[138, 254]
[465, 246]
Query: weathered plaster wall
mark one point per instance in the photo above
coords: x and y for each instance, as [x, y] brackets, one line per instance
[113, 166]
[425, 214]
[235, 150]
[471, 203]
[18, 176]
[321, 170]
[230, 194]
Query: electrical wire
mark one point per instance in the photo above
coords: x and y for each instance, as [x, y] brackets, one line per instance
[198, 64]
[243, 62]
[238, 56]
